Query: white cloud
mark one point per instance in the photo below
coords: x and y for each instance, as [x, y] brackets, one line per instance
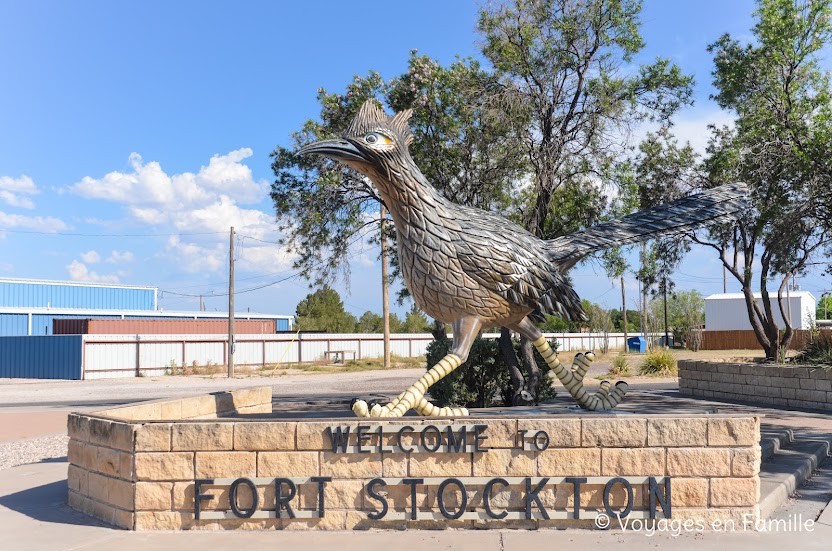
[79, 272]
[206, 201]
[149, 185]
[16, 200]
[117, 257]
[91, 257]
[693, 126]
[14, 190]
[45, 224]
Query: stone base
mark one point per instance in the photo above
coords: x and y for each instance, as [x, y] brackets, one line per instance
[208, 463]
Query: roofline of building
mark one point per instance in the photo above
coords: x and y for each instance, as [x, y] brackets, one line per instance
[76, 283]
[725, 296]
[93, 313]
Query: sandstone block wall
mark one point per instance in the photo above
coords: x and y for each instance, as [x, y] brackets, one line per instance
[799, 387]
[102, 446]
[142, 474]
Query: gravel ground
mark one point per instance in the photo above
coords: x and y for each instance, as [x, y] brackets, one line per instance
[32, 450]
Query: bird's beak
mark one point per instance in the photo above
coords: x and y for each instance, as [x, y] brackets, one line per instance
[340, 150]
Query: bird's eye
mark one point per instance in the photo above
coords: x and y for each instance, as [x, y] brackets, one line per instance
[377, 138]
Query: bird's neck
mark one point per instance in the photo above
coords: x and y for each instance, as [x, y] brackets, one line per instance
[408, 195]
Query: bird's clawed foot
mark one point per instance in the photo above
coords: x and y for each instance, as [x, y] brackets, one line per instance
[402, 404]
[606, 398]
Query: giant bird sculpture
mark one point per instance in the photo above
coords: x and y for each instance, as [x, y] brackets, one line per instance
[471, 268]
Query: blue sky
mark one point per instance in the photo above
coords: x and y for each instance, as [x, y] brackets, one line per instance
[133, 134]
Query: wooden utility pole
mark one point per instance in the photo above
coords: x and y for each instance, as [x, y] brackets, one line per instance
[624, 312]
[230, 347]
[644, 295]
[724, 279]
[385, 284]
[666, 335]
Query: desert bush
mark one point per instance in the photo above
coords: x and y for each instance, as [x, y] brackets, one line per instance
[620, 366]
[817, 352]
[659, 362]
[483, 380]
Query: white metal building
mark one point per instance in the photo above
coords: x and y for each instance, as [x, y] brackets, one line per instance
[726, 312]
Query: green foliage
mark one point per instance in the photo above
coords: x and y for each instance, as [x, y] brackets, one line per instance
[620, 366]
[781, 146]
[659, 363]
[555, 324]
[323, 310]
[369, 322]
[685, 312]
[633, 320]
[562, 72]
[483, 380]
[824, 308]
[415, 322]
[817, 352]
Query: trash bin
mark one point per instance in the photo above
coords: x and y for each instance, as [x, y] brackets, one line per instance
[637, 344]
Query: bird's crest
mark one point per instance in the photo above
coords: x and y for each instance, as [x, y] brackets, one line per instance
[370, 117]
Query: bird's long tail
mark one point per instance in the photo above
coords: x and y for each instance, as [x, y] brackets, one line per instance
[715, 206]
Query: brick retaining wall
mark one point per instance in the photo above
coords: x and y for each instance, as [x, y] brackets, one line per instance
[790, 386]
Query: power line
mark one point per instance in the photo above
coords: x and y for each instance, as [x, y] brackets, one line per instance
[72, 234]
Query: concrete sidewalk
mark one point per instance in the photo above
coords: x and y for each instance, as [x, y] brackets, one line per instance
[34, 517]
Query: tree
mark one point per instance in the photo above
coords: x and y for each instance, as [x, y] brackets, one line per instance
[323, 310]
[561, 66]
[415, 322]
[781, 146]
[686, 313]
[369, 322]
[824, 308]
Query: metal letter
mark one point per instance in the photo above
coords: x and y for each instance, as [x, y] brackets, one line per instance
[486, 497]
[413, 482]
[435, 429]
[282, 500]
[576, 494]
[321, 480]
[441, 498]
[199, 497]
[656, 496]
[232, 498]
[371, 491]
[608, 489]
[531, 495]
[361, 433]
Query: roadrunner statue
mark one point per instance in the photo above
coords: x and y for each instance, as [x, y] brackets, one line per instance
[475, 269]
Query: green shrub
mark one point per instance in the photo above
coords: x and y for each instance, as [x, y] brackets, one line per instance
[817, 352]
[483, 380]
[620, 366]
[659, 363]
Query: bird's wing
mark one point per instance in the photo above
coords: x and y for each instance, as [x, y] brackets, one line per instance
[509, 261]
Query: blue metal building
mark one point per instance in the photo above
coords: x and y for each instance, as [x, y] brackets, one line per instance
[28, 307]
[23, 293]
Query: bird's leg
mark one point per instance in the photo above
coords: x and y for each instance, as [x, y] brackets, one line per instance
[573, 379]
[465, 330]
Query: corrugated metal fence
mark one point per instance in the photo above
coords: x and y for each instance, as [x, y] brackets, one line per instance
[55, 357]
[113, 356]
